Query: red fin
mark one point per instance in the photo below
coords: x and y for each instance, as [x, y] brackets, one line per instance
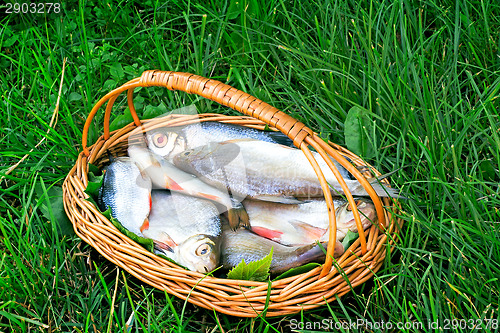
[274, 235]
[172, 185]
[309, 231]
[145, 224]
[150, 202]
[165, 242]
[163, 246]
[208, 196]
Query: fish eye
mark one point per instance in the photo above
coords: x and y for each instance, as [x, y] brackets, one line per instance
[159, 140]
[203, 250]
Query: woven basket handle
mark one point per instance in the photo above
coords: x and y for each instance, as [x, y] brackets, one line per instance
[254, 107]
[208, 88]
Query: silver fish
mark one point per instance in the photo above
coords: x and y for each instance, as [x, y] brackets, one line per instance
[305, 223]
[164, 175]
[245, 245]
[271, 172]
[127, 192]
[185, 229]
[170, 141]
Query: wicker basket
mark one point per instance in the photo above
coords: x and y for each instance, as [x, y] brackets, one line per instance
[238, 298]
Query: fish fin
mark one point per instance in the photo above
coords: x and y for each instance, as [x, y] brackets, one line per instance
[279, 199]
[238, 216]
[281, 139]
[145, 225]
[143, 173]
[162, 247]
[165, 242]
[309, 231]
[172, 184]
[208, 196]
[271, 234]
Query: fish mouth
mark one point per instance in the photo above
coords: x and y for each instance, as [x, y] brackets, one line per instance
[200, 253]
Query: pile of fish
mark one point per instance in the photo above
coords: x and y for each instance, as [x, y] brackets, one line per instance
[211, 194]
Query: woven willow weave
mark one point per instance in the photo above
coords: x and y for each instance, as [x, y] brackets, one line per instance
[234, 297]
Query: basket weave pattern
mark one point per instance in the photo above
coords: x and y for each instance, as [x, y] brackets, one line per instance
[234, 297]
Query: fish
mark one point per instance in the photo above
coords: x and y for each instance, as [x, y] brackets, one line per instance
[267, 171]
[305, 223]
[243, 244]
[127, 192]
[165, 175]
[170, 141]
[185, 229]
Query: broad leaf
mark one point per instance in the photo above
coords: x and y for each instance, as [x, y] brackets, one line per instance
[298, 270]
[235, 8]
[116, 71]
[253, 271]
[121, 120]
[349, 238]
[53, 208]
[358, 130]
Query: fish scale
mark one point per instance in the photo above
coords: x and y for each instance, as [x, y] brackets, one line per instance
[305, 223]
[170, 141]
[127, 192]
[266, 171]
[180, 225]
[245, 245]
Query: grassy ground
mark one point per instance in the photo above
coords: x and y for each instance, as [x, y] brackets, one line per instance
[427, 72]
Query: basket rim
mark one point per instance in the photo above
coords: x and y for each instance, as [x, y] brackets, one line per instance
[290, 286]
[359, 262]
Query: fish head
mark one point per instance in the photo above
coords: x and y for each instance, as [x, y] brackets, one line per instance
[166, 143]
[367, 210]
[345, 215]
[199, 253]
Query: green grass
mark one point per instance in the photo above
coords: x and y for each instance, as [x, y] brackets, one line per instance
[427, 72]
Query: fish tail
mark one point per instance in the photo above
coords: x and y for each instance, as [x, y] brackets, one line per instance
[384, 191]
[381, 190]
[309, 253]
[303, 255]
[318, 251]
[237, 215]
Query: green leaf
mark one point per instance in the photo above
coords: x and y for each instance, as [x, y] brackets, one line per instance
[10, 41]
[151, 111]
[122, 120]
[94, 184]
[297, 270]
[55, 205]
[116, 71]
[74, 96]
[349, 238]
[253, 271]
[147, 243]
[357, 128]
[234, 9]
[488, 170]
